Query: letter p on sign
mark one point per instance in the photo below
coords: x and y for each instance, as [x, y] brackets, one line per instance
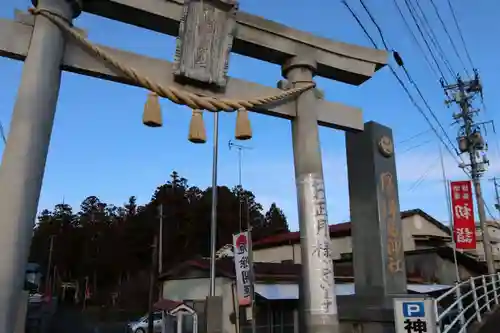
[413, 309]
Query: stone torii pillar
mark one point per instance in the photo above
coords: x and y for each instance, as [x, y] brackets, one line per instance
[319, 301]
[25, 154]
[300, 54]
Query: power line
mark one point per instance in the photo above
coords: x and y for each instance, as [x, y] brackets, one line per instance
[414, 136]
[460, 34]
[430, 33]
[376, 25]
[422, 177]
[449, 36]
[415, 147]
[417, 106]
[360, 24]
[426, 104]
[2, 133]
[415, 39]
[400, 63]
[411, 10]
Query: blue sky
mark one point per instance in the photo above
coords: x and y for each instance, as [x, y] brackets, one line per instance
[100, 147]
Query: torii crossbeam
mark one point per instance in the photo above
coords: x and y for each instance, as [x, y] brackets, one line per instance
[46, 50]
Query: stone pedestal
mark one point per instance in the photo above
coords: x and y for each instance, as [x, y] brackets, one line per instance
[378, 253]
[21, 312]
[213, 312]
[368, 314]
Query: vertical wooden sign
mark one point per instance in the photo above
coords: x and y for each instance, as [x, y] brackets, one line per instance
[205, 39]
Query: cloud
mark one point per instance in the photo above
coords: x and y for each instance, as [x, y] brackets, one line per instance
[419, 176]
[412, 166]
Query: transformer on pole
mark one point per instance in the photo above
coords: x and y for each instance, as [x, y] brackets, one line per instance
[470, 141]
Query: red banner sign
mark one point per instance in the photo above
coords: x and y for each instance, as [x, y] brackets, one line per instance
[464, 228]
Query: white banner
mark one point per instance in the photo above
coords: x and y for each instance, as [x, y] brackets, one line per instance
[242, 268]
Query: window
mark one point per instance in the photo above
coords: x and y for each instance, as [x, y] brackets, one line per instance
[187, 323]
[156, 316]
[172, 324]
[277, 317]
[189, 302]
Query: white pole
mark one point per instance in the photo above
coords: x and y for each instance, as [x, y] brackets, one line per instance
[448, 206]
[160, 245]
[450, 217]
[213, 222]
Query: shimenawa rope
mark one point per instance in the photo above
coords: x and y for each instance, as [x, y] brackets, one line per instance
[152, 115]
[178, 96]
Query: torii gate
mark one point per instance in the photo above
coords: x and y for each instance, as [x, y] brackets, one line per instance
[207, 30]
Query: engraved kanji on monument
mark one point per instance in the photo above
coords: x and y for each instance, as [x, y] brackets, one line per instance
[205, 39]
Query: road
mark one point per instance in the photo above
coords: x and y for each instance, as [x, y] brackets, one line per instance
[492, 325]
[71, 320]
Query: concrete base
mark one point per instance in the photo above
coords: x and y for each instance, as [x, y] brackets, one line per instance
[213, 312]
[369, 314]
[22, 311]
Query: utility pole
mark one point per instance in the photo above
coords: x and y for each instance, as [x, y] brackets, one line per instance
[497, 196]
[160, 242]
[240, 148]
[471, 141]
[231, 145]
[49, 266]
[152, 282]
[160, 261]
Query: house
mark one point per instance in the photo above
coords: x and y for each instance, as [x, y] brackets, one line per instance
[276, 292]
[430, 265]
[420, 230]
[494, 233]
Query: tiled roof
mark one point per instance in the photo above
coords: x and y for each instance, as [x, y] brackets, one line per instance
[336, 230]
[270, 272]
[263, 270]
[166, 304]
[266, 271]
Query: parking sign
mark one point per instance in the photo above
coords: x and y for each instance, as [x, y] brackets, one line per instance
[414, 315]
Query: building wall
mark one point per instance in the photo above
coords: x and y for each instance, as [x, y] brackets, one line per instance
[197, 289]
[494, 233]
[435, 269]
[277, 254]
[413, 225]
[292, 252]
[446, 271]
[416, 225]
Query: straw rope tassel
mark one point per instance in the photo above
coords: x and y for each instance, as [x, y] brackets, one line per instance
[152, 111]
[197, 133]
[243, 129]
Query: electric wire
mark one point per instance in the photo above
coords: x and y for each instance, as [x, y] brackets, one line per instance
[419, 28]
[415, 147]
[419, 181]
[433, 114]
[430, 33]
[2, 133]
[422, 177]
[495, 139]
[449, 36]
[415, 39]
[414, 136]
[488, 210]
[360, 24]
[413, 83]
[460, 34]
[412, 99]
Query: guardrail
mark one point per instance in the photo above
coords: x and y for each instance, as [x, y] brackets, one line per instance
[467, 303]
